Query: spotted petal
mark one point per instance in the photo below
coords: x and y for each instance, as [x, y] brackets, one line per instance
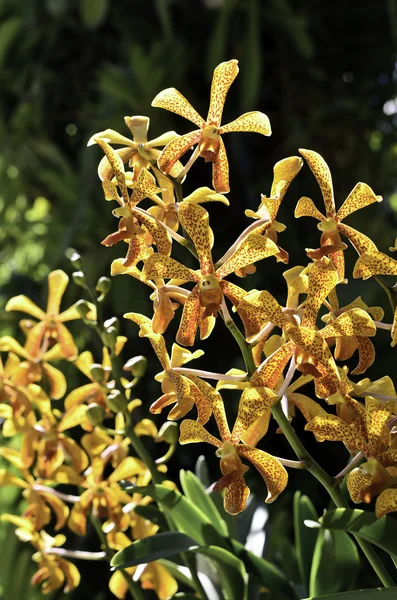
[248, 315]
[236, 496]
[334, 429]
[191, 432]
[205, 194]
[253, 248]
[312, 343]
[356, 483]
[177, 148]
[323, 277]
[157, 340]
[272, 471]
[284, 172]
[145, 187]
[352, 322]
[254, 121]
[111, 137]
[386, 502]
[190, 319]
[220, 171]
[222, 79]
[377, 415]
[266, 307]
[374, 263]
[158, 266]
[195, 220]
[117, 165]
[158, 231]
[172, 100]
[359, 241]
[307, 208]
[254, 402]
[321, 172]
[270, 371]
[360, 197]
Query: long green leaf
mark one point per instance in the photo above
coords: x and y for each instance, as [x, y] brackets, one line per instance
[336, 563]
[231, 570]
[381, 532]
[305, 539]
[188, 518]
[374, 594]
[268, 575]
[195, 492]
[152, 548]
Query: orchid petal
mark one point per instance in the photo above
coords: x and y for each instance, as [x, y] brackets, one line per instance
[157, 230]
[35, 338]
[356, 483]
[117, 165]
[157, 340]
[190, 319]
[172, 100]
[360, 197]
[176, 149]
[252, 249]
[266, 307]
[24, 304]
[66, 342]
[205, 194]
[162, 140]
[236, 496]
[359, 241]
[334, 429]
[307, 208]
[145, 187]
[322, 279]
[321, 172]
[139, 127]
[272, 471]
[254, 121]
[111, 137]
[222, 79]
[192, 432]
[9, 344]
[372, 263]
[57, 381]
[257, 430]
[254, 402]
[269, 373]
[128, 467]
[159, 266]
[195, 220]
[386, 502]
[378, 413]
[352, 322]
[220, 170]
[251, 321]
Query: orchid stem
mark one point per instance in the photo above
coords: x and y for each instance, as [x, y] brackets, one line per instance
[326, 481]
[392, 295]
[246, 350]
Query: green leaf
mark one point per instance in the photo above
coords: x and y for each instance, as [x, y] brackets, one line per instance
[153, 514]
[188, 518]
[381, 532]
[231, 570]
[374, 594]
[336, 563]
[152, 548]
[195, 492]
[305, 539]
[269, 575]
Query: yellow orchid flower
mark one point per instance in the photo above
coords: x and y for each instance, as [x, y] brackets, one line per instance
[36, 365]
[184, 392]
[40, 498]
[206, 298]
[208, 138]
[284, 173]
[346, 345]
[230, 451]
[54, 571]
[104, 496]
[331, 224]
[138, 152]
[50, 328]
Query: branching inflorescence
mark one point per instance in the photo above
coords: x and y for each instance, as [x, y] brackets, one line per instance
[285, 347]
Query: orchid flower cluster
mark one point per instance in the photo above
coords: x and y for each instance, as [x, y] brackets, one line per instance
[302, 341]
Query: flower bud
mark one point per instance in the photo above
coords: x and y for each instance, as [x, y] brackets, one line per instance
[116, 402]
[79, 279]
[95, 414]
[97, 372]
[169, 433]
[74, 257]
[103, 287]
[83, 308]
[137, 365]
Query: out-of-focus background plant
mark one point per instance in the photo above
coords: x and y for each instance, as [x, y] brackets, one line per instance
[326, 78]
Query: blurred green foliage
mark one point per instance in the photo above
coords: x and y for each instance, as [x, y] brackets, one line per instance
[325, 74]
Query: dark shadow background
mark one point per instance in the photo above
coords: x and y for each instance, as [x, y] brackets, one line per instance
[324, 73]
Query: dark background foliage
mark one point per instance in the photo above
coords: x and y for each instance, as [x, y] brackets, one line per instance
[324, 73]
